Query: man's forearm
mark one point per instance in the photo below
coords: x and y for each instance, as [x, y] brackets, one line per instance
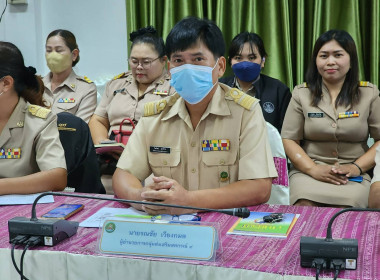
[126, 186]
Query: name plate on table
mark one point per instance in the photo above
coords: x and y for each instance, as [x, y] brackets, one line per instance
[165, 240]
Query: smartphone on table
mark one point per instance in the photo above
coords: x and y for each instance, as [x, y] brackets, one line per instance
[63, 211]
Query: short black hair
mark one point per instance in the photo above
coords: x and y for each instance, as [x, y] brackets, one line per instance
[148, 35]
[239, 40]
[349, 94]
[69, 39]
[191, 29]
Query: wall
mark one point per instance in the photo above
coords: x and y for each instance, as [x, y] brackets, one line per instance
[98, 25]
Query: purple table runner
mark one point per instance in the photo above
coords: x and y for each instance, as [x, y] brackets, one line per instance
[271, 255]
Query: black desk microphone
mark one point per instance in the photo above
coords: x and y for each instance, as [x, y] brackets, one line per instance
[53, 231]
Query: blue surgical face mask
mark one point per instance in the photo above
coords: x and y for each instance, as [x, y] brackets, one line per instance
[192, 82]
[246, 71]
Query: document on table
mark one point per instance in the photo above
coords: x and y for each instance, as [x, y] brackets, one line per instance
[17, 199]
[96, 219]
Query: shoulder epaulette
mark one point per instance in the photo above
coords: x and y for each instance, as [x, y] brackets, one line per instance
[303, 85]
[156, 107]
[363, 84]
[241, 98]
[87, 80]
[118, 76]
[38, 111]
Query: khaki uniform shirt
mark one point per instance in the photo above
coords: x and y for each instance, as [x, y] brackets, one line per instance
[166, 144]
[37, 140]
[121, 98]
[326, 137]
[76, 95]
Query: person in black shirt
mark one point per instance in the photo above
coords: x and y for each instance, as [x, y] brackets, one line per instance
[247, 57]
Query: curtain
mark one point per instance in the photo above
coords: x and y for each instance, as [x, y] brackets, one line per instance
[288, 28]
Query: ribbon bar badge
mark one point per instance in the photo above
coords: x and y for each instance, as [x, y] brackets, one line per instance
[66, 100]
[352, 114]
[215, 145]
[10, 153]
[161, 92]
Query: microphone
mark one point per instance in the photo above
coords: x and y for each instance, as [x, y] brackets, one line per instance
[329, 253]
[53, 231]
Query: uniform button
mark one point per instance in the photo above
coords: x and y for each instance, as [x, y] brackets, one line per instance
[193, 170]
[333, 125]
[133, 103]
[193, 144]
[165, 162]
[222, 161]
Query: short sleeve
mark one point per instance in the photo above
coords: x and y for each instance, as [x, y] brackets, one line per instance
[101, 109]
[88, 103]
[134, 158]
[49, 150]
[256, 160]
[374, 115]
[293, 126]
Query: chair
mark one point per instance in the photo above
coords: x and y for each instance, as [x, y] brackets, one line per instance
[82, 167]
[280, 185]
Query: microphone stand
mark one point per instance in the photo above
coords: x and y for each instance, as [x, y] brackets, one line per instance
[238, 212]
[55, 230]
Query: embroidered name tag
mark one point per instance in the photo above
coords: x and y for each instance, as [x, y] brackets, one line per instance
[66, 100]
[10, 153]
[162, 150]
[160, 92]
[215, 145]
[352, 114]
[315, 115]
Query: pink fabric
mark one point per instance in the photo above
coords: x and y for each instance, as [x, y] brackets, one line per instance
[282, 171]
[272, 255]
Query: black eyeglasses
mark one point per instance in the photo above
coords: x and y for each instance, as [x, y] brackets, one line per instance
[180, 218]
[145, 63]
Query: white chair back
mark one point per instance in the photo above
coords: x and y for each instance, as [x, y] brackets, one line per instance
[280, 185]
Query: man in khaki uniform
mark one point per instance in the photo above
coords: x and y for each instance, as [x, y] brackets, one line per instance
[121, 98]
[208, 146]
[76, 95]
[332, 137]
[29, 142]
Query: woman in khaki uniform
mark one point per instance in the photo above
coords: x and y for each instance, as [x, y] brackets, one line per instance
[327, 125]
[31, 155]
[65, 91]
[126, 94]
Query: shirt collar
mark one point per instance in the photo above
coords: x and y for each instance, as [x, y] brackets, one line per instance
[18, 114]
[217, 106]
[251, 89]
[70, 82]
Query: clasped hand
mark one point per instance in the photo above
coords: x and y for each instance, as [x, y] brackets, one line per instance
[168, 191]
[334, 174]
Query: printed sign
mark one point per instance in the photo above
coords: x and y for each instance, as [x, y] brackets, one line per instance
[168, 240]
